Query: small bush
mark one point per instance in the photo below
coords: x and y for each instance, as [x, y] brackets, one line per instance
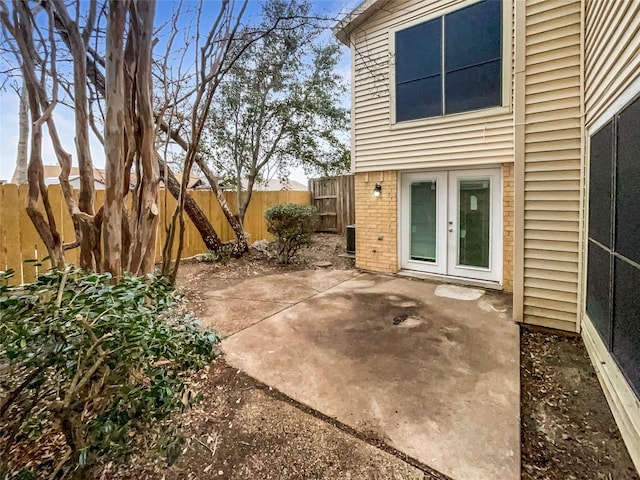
[292, 225]
[86, 365]
[223, 256]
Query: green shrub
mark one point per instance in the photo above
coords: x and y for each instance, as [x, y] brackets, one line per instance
[292, 225]
[92, 363]
[223, 256]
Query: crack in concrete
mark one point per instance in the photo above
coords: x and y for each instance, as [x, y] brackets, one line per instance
[226, 297]
[288, 305]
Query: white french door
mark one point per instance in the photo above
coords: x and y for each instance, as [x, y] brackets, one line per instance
[451, 223]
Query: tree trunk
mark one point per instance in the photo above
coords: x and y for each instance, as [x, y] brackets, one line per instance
[244, 204]
[193, 210]
[20, 173]
[200, 220]
[78, 51]
[241, 245]
[114, 140]
[46, 227]
[44, 224]
[147, 213]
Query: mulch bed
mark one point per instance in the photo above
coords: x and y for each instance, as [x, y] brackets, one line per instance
[568, 431]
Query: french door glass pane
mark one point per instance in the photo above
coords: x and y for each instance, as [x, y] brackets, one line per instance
[423, 221]
[474, 207]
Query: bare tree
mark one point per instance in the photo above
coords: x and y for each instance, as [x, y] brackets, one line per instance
[18, 24]
[211, 62]
[129, 237]
[20, 173]
[209, 236]
[96, 58]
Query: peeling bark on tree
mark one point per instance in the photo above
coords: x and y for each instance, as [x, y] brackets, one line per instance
[128, 238]
[194, 212]
[44, 224]
[146, 211]
[114, 141]
[20, 174]
[89, 236]
[46, 227]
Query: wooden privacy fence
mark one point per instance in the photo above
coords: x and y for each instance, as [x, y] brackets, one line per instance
[334, 197]
[19, 241]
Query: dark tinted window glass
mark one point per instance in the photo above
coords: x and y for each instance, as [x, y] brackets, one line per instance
[628, 183]
[419, 99]
[473, 66]
[600, 171]
[626, 323]
[419, 51]
[598, 287]
[473, 35]
[473, 88]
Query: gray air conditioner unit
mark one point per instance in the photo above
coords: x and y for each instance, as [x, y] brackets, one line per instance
[351, 239]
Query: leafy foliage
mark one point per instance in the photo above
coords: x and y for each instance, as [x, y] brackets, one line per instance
[222, 256]
[292, 224]
[92, 363]
[279, 106]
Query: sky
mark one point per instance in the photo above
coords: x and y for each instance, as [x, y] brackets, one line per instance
[64, 118]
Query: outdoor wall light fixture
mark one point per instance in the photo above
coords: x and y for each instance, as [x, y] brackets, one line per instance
[377, 190]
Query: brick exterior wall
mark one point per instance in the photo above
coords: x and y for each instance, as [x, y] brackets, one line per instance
[507, 227]
[377, 222]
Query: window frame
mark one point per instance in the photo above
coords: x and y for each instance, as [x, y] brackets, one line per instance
[507, 61]
[629, 94]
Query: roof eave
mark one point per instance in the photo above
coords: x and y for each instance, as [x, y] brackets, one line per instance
[357, 17]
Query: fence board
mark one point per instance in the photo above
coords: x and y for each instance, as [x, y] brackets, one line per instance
[28, 237]
[3, 251]
[20, 241]
[334, 198]
[11, 229]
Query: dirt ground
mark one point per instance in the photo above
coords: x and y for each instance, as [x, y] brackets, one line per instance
[194, 274]
[568, 431]
[244, 429]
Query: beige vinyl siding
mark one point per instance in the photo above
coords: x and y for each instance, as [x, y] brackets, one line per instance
[552, 162]
[612, 52]
[472, 139]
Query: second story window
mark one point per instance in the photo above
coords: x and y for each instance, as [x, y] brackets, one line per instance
[450, 64]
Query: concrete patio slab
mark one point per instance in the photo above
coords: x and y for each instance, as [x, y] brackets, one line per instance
[291, 287]
[435, 377]
[231, 315]
[239, 306]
